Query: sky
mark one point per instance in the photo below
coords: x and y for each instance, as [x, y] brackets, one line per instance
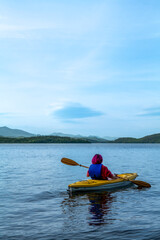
[81, 67]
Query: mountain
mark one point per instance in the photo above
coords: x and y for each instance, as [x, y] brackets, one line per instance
[93, 139]
[154, 138]
[8, 132]
[96, 139]
[17, 135]
[42, 139]
[110, 138]
[66, 135]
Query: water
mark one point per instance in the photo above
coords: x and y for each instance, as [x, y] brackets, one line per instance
[35, 204]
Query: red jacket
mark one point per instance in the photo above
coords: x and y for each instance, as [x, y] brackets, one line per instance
[105, 173]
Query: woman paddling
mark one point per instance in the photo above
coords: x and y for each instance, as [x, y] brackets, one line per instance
[98, 171]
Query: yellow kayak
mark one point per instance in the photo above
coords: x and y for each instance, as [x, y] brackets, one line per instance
[89, 185]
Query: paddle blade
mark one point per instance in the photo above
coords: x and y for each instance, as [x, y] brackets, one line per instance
[69, 162]
[141, 183]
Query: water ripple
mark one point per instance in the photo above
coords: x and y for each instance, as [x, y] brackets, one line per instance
[35, 204]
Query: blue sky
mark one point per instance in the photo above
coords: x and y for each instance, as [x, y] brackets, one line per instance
[82, 67]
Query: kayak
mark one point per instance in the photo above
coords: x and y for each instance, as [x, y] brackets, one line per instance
[90, 185]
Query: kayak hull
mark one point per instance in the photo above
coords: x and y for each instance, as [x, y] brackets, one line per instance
[94, 185]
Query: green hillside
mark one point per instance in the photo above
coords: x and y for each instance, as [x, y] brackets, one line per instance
[154, 138]
[93, 139]
[8, 135]
[125, 140]
[42, 139]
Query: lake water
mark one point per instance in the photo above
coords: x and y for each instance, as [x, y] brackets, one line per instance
[35, 204]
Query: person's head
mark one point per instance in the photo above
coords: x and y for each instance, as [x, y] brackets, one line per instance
[97, 159]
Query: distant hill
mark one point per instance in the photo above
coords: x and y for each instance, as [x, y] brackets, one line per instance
[17, 133]
[42, 139]
[154, 138]
[8, 135]
[110, 138]
[93, 139]
[66, 135]
[8, 132]
[96, 139]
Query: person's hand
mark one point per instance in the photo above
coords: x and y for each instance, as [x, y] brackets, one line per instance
[115, 176]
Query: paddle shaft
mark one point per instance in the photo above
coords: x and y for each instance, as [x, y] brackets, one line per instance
[83, 166]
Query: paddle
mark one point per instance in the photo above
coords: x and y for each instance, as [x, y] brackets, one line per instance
[73, 163]
[139, 183]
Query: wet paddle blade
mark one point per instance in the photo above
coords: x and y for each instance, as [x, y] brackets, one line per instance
[141, 183]
[138, 182]
[69, 162]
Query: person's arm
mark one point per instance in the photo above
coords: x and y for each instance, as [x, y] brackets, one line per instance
[88, 173]
[106, 173]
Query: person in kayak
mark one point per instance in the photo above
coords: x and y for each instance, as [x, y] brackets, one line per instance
[98, 171]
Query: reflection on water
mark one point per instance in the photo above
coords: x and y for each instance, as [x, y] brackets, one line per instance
[98, 205]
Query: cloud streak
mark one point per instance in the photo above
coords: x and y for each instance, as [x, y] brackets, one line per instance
[151, 112]
[75, 111]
